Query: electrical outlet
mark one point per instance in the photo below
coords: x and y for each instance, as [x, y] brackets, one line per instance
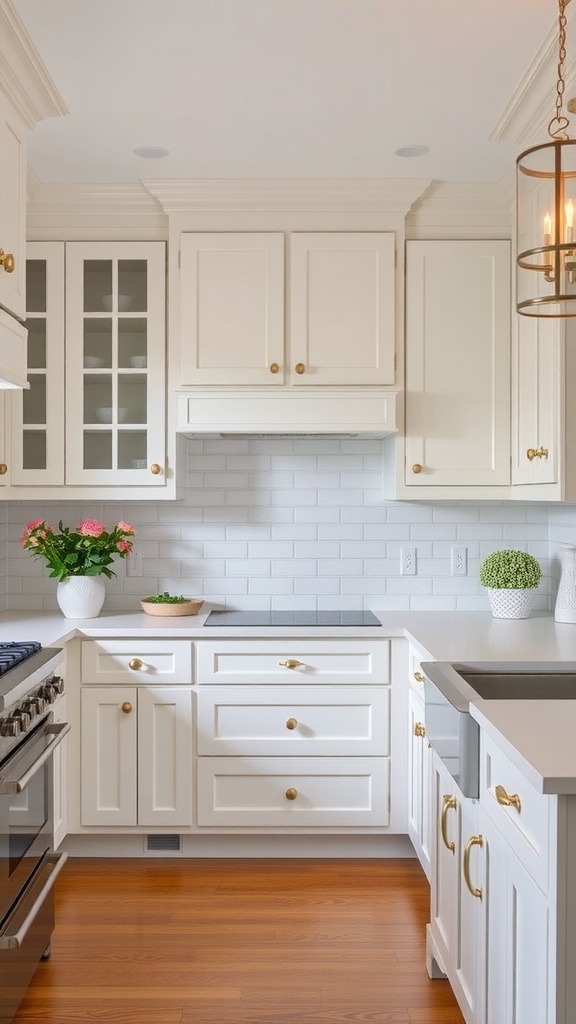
[459, 561]
[134, 563]
[408, 561]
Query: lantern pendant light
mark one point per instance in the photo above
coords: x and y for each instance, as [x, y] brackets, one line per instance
[546, 211]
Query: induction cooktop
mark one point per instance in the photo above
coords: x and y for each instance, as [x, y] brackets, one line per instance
[292, 618]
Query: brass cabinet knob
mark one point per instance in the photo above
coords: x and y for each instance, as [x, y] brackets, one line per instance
[7, 261]
[291, 663]
[419, 729]
[418, 676]
[300, 368]
[472, 889]
[291, 794]
[126, 707]
[155, 468]
[3, 468]
[537, 453]
[416, 468]
[449, 803]
[292, 723]
[274, 368]
[135, 664]
[508, 799]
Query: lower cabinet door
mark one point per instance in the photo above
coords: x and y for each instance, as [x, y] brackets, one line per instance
[165, 755]
[517, 938]
[284, 791]
[109, 737]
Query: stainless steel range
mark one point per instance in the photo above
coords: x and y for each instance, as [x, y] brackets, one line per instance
[29, 687]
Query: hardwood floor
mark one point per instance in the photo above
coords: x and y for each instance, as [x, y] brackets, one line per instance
[239, 942]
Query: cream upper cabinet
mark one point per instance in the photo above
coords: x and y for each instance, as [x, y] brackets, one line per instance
[457, 429]
[96, 330]
[12, 211]
[325, 318]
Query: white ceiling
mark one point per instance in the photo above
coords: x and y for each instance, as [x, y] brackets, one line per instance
[282, 88]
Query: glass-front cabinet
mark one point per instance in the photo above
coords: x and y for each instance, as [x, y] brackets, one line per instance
[94, 412]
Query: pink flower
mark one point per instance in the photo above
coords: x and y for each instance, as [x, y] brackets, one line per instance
[31, 528]
[124, 545]
[125, 527]
[90, 528]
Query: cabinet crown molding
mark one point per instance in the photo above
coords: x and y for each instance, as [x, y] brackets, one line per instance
[23, 76]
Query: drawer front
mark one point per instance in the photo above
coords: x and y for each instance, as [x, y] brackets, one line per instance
[293, 662]
[294, 721]
[527, 827]
[136, 661]
[283, 792]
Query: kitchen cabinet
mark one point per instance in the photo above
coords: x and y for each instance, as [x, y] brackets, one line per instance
[136, 734]
[60, 798]
[455, 937]
[96, 335]
[13, 177]
[419, 765]
[294, 734]
[457, 378]
[332, 323]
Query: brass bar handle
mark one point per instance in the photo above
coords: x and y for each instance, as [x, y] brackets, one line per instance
[274, 368]
[449, 803]
[418, 676]
[291, 794]
[126, 707]
[135, 664]
[7, 261]
[508, 799]
[417, 468]
[537, 453]
[419, 729]
[292, 723]
[291, 663]
[472, 889]
[300, 368]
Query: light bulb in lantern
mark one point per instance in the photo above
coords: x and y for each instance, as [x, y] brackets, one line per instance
[547, 228]
[569, 221]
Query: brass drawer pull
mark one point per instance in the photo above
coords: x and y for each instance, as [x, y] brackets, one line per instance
[472, 889]
[508, 800]
[3, 468]
[7, 261]
[419, 729]
[126, 707]
[418, 676]
[416, 468]
[135, 664]
[291, 794]
[300, 368]
[291, 663]
[449, 803]
[292, 723]
[537, 453]
[274, 368]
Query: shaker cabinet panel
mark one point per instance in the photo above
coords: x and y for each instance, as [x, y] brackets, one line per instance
[13, 177]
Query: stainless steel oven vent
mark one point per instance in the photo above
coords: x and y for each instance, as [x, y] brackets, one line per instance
[163, 844]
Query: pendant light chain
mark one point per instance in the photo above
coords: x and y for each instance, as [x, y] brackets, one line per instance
[557, 128]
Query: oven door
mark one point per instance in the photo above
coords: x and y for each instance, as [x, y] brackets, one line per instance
[26, 802]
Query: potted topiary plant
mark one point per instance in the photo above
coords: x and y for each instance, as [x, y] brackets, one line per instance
[510, 577]
[171, 604]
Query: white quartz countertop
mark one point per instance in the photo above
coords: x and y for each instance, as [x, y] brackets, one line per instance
[537, 735]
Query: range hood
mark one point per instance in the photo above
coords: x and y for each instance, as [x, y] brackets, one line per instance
[13, 337]
[319, 412]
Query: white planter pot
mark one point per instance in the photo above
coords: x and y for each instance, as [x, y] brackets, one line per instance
[81, 597]
[510, 604]
[565, 607]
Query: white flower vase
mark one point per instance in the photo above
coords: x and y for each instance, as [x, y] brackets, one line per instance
[81, 597]
[510, 604]
[565, 607]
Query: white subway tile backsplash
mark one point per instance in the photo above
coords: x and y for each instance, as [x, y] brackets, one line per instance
[288, 522]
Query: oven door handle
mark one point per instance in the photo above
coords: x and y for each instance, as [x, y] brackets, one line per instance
[10, 786]
[23, 918]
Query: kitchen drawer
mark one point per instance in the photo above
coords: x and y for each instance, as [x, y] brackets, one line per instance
[294, 721]
[527, 830]
[328, 791]
[136, 661]
[294, 661]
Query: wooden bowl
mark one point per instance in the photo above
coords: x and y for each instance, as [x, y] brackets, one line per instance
[191, 607]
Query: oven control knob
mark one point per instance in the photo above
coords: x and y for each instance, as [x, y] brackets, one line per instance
[48, 692]
[10, 726]
[29, 707]
[57, 683]
[24, 717]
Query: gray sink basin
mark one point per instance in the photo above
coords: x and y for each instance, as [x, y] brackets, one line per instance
[532, 685]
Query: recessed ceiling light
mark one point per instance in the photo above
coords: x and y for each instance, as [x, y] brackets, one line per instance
[412, 150]
[150, 152]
